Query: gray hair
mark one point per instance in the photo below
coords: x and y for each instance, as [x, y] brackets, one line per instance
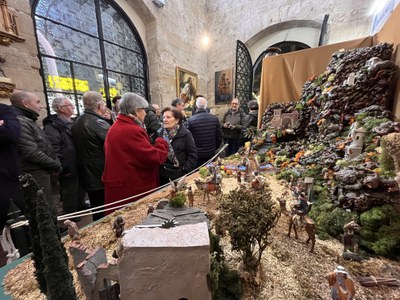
[57, 102]
[201, 102]
[91, 100]
[130, 102]
[17, 97]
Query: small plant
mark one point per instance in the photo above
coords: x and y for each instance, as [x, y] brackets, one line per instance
[249, 216]
[204, 172]
[179, 200]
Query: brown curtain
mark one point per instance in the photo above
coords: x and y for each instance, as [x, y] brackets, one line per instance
[283, 76]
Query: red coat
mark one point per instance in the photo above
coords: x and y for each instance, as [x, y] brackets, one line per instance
[131, 161]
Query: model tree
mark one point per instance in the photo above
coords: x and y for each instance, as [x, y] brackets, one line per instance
[51, 260]
[249, 215]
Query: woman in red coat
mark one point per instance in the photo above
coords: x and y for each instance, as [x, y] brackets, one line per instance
[132, 162]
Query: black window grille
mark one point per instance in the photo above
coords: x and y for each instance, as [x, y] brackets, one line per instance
[88, 45]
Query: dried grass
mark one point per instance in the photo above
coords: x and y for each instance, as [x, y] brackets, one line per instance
[289, 271]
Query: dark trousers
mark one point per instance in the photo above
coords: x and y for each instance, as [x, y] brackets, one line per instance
[202, 160]
[69, 194]
[9, 190]
[96, 198]
[233, 146]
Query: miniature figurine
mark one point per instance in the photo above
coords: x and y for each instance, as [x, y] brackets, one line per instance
[150, 208]
[190, 196]
[349, 241]
[341, 284]
[239, 176]
[176, 186]
[207, 187]
[118, 226]
[73, 230]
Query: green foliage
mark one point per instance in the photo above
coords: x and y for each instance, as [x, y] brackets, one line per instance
[361, 117]
[314, 172]
[370, 123]
[287, 174]
[387, 174]
[329, 220]
[204, 172]
[179, 200]
[30, 189]
[385, 159]
[279, 160]
[380, 230]
[249, 216]
[225, 283]
[316, 147]
[59, 280]
[342, 163]
[299, 106]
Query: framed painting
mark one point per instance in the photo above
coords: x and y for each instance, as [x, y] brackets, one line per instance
[186, 86]
[224, 86]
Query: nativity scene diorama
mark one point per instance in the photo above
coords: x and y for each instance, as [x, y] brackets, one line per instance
[326, 166]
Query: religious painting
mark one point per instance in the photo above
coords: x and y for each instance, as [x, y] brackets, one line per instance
[186, 86]
[224, 86]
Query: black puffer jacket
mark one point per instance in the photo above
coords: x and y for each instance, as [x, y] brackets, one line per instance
[60, 136]
[206, 132]
[89, 133]
[35, 150]
[186, 153]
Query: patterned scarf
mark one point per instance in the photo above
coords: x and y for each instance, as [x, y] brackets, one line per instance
[168, 135]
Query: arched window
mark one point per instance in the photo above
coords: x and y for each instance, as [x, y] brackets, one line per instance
[88, 45]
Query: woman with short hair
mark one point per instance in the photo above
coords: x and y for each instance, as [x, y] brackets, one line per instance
[182, 151]
[132, 162]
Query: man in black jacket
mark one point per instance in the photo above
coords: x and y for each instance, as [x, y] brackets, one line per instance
[152, 122]
[9, 160]
[89, 133]
[37, 156]
[206, 131]
[58, 130]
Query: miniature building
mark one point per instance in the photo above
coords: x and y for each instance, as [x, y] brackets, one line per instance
[159, 263]
[284, 120]
[356, 146]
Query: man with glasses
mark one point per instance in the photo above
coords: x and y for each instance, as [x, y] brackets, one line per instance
[232, 124]
[58, 130]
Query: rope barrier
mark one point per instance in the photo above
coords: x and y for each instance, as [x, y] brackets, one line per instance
[99, 209]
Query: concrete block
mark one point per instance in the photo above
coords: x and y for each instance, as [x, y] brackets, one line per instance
[165, 264]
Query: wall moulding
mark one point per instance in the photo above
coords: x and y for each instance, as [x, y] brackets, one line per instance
[8, 25]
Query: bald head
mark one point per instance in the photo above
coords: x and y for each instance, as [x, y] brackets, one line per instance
[27, 100]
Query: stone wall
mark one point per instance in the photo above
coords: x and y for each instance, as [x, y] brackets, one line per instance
[172, 36]
[232, 20]
[22, 64]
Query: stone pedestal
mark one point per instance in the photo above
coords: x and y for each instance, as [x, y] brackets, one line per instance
[160, 263]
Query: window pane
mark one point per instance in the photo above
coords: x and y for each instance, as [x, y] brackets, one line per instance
[88, 78]
[65, 12]
[119, 84]
[126, 61]
[138, 86]
[57, 75]
[66, 43]
[121, 33]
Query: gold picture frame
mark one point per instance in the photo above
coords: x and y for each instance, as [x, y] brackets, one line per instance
[186, 86]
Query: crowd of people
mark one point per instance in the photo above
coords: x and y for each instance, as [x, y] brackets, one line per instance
[108, 155]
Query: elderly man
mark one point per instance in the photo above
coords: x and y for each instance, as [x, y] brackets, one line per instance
[152, 122]
[232, 122]
[206, 131]
[37, 156]
[132, 162]
[179, 104]
[89, 133]
[58, 130]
